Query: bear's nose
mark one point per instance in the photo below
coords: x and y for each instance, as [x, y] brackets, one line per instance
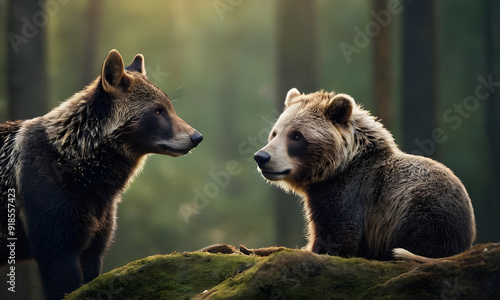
[196, 138]
[262, 158]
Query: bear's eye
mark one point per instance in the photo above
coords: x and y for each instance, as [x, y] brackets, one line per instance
[296, 136]
[158, 111]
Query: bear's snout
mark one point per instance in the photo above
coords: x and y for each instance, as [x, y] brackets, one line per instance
[262, 158]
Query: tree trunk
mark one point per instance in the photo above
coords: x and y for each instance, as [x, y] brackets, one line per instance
[27, 80]
[93, 19]
[419, 78]
[492, 121]
[296, 66]
[382, 69]
[297, 47]
[27, 98]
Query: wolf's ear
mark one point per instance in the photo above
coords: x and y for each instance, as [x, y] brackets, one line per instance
[290, 95]
[137, 65]
[113, 77]
[339, 109]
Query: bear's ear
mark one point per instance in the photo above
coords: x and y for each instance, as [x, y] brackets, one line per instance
[290, 95]
[137, 65]
[339, 109]
[113, 77]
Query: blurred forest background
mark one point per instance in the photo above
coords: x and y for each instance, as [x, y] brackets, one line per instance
[429, 69]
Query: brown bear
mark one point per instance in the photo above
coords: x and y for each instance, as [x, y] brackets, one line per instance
[363, 196]
[63, 174]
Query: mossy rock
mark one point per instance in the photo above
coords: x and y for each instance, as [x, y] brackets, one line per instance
[298, 274]
[173, 276]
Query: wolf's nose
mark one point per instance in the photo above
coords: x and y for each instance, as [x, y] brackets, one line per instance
[262, 158]
[196, 138]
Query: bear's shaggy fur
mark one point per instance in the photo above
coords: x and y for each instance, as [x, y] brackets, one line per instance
[63, 174]
[363, 196]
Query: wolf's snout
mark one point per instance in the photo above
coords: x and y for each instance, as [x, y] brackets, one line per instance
[196, 138]
[262, 158]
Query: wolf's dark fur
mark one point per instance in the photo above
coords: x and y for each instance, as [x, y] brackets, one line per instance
[70, 167]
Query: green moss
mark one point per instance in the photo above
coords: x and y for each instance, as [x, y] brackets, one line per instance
[297, 274]
[174, 276]
[474, 274]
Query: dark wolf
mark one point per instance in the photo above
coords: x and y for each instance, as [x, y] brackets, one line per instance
[63, 174]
